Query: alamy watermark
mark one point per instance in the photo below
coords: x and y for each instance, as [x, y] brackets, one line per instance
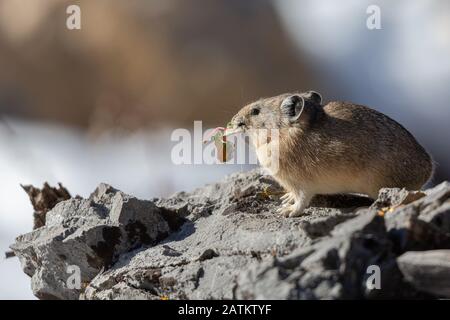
[74, 279]
[373, 21]
[374, 280]
[73, 21]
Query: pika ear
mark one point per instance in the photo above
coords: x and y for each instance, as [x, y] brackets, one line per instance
[314, 96]
[293, 107]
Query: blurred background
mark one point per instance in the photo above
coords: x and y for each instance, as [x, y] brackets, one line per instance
[99, 104]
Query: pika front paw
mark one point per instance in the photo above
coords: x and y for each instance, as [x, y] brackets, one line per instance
[283, 211]
[292, 210]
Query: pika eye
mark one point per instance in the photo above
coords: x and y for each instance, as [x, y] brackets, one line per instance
[255, 111]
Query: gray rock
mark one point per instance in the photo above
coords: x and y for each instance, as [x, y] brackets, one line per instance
[334, 267]
[428, 271]
[224, 241]
[393, 197]
[87, 233]
[423, 224]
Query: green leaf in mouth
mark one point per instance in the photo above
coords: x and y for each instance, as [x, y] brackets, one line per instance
[224, 148]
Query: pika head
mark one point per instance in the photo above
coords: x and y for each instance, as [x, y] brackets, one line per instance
[283, 111]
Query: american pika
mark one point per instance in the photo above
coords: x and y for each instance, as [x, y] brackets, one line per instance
[335, 148]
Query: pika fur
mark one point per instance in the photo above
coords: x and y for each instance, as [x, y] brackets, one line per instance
[335, 148]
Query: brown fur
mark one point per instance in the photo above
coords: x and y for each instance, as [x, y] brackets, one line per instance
[337, 148]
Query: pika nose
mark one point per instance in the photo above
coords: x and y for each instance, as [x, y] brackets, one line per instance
[239, 121]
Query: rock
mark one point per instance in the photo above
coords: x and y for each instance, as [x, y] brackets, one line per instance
[393, 197]
[90, 234]
[224, 241]
[422, 224]
[208, 254]
[335, 267]
[428, 271]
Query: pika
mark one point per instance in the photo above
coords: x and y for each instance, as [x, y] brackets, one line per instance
[335, 148]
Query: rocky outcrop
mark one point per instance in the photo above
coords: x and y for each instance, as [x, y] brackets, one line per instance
[427, 270]
[224, 241]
